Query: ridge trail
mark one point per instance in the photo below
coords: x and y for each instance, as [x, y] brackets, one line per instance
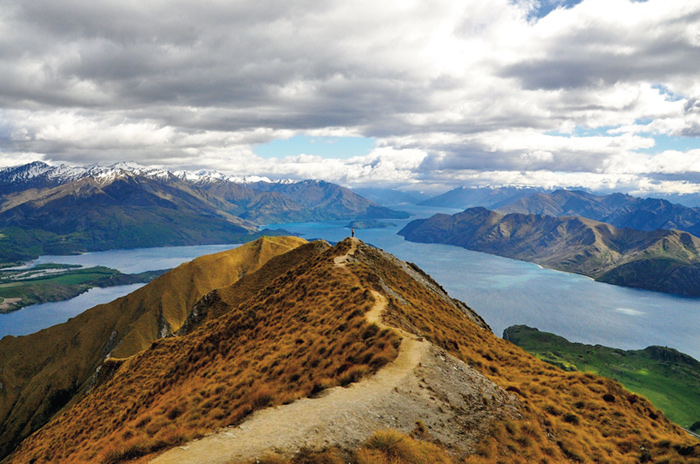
[334, 417]
[399, 394]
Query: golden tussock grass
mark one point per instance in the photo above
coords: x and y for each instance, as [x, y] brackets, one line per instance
[307, 331]
[304, 332]
[566, 417]
[43, 372]
[384, 447]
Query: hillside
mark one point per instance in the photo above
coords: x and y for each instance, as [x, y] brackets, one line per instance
[662, 260]
[617, 209]
[488, 197]
[42, 372]
[293, 360]
[62, 210]
[126, 211]
[670, 379]
[328, 201]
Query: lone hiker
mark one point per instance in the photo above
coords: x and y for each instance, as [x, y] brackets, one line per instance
[352, 231]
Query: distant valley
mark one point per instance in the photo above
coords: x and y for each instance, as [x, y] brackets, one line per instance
[661, 260]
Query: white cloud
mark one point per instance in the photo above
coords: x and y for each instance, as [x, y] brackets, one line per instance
[453, 92]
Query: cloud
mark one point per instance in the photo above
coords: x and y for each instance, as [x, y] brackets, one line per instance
[453, 92]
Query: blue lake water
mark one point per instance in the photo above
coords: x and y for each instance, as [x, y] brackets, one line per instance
[135, 260]
[503, 291]
[36, 317]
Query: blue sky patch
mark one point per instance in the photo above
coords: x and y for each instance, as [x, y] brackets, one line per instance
[544, 7]
[668, 142]
[326, 147]
[583, 132]
[547, 6]
[662, 142]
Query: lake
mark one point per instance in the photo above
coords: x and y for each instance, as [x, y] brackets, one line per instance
[503, 291]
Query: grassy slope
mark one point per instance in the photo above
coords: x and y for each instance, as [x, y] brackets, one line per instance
[668, 378]
[66, 285]
[40, 373]
[303, 331]
[565, 415]
[306, 330]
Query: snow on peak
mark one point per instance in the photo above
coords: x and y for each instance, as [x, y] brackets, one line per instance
[62, 173]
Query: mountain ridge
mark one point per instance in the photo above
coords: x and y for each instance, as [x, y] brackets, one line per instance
[65, 210]
[306, 332]
[43, 372]
[620, 210]
[489, 197]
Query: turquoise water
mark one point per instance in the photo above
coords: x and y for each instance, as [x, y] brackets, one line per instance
[504, 291]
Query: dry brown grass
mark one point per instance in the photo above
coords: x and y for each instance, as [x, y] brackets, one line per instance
[307, 331]
[384, 447]
[42, 372]
[304, 332]
[566, 417]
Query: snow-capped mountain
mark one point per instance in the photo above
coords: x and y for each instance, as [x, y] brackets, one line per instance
[40, 172]
[67, 209]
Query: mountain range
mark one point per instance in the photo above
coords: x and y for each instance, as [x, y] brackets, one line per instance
[61, 210]
[488, 197]
[310, 357]
[618, 209]
[660, 260]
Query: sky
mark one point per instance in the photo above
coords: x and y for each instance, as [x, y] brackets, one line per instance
[600, 94]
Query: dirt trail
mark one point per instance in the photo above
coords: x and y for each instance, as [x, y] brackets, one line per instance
[342, 260]
[402, 392]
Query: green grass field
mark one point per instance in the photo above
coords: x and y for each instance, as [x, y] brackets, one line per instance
[670, 379]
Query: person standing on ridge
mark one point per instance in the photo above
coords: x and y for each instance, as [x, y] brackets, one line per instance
[352, 232]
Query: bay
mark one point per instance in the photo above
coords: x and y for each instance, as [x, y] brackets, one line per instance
[40, 316]
[133, 261]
